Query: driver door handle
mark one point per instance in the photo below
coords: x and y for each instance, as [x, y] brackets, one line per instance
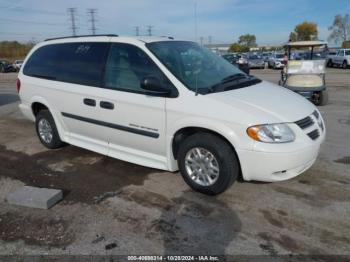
[107, 105]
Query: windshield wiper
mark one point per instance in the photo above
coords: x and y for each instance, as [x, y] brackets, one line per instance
[222, 85]
[233, 77]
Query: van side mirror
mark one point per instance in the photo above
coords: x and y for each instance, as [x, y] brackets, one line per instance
[154, 86]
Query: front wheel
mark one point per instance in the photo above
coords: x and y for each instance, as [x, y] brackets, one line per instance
[345, 65]
[330, 63]
[207, 163]
[321, 98]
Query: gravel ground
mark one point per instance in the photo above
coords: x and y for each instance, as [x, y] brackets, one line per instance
[113, 207]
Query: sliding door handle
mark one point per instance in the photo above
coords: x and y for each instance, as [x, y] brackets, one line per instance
[107, 105]
[89, 102]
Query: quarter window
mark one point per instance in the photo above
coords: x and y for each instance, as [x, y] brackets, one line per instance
[127, 66]
[79, 63]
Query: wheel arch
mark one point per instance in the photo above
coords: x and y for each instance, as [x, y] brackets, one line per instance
[184, 132]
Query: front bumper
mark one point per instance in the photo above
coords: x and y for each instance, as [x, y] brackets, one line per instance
[272, 167]
[277, 162]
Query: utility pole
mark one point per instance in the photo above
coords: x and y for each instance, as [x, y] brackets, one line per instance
[149, 30]
[92, 12]
[72, 12]
[137, 30]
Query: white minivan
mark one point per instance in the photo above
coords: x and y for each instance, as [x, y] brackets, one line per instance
[170, 105]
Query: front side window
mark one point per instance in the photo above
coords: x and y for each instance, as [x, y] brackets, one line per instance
[127, 66]
[79, 63]
[340, 53]
[347, 52]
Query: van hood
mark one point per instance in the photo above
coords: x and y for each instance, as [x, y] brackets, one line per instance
[263, 103]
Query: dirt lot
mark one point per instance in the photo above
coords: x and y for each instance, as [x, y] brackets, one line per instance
[113, 207]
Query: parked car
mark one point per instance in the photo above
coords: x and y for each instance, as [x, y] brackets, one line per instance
[17, 64]
[238, 60]
[276, 61]
[133, 99]
[342, 58]
[329, 58]
[6, 66]
[255, 61]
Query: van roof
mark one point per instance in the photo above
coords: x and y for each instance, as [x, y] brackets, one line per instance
[145, 39]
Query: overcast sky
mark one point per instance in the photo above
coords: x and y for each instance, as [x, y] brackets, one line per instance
[225, 20]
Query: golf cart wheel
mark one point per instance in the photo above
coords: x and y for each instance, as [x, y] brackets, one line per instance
[207, 163]
[321, 98]
[345, 65]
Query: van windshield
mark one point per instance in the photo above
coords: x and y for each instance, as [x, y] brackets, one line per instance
[198, 68]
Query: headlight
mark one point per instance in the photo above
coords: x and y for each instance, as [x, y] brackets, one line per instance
[274, 133]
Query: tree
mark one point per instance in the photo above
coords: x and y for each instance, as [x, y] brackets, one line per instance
[304, 32]
[247, 40]
[293, 37]
[237, 48]
[340, 29]
[346, 44]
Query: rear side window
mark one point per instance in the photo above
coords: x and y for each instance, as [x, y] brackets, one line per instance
[79, 63]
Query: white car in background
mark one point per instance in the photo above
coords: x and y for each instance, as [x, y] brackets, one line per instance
[342, 59]
[17, 64]
[276, 61]
[170, 105]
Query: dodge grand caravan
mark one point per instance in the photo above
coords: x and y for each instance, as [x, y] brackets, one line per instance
[170, 105]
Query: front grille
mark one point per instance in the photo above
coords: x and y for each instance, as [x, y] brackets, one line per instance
[305, 122]
[316, 114]
[314, 134]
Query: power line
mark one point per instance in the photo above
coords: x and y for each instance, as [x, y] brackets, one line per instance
[149, 30]
[137, 30]
[72, 13]
[92, 12]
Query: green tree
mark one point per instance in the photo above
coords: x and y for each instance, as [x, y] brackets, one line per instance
[293, 37]
[237, 48]
[247, 40]
[304, 32]
[340, 29]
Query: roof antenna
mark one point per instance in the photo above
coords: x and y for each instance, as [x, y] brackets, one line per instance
[195, 38]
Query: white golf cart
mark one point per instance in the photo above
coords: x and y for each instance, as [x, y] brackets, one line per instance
[305, 70]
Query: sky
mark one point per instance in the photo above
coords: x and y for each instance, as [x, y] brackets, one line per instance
[224, 20]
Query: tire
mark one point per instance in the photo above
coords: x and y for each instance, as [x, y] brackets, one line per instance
[274, 66]
[345, 65]
[45, 117]
[2, 69]
[227, 163]
[330, 63]
[322, 99]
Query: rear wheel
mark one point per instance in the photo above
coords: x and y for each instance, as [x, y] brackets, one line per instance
[207, 163]
[47, 131]
[321, 98]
